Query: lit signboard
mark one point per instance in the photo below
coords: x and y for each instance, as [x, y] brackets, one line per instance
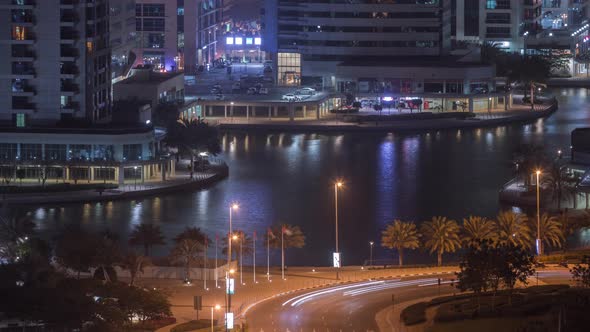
[229, 286]
[249, 41]
[336, 258]
[239, 40]
[257, 41]
[229, 320]
[229, 40]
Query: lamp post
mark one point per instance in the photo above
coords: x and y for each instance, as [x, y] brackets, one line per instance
[371, 253]
[216, 307]
[337, 253]
[538, 242]
[135, 177]
[233, 206]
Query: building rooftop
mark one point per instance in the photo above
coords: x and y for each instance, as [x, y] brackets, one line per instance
[145, 75]
[447, 61]
[107, 129]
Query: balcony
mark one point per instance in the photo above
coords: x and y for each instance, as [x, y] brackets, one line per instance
[19, 4]
[22, 36]
[72, 106]
[69, 71]
[68, 18]
[69, 88]
[23, 70]
[21, 87]
[69, 35]
[22, 104]
[68, 53]
[22, 53]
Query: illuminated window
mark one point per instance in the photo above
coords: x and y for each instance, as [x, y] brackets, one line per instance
[20, 120]
[249, 41]
[89, 47]
[229, 40]
[257, 41]
[289, 69]
[239, 41]
[18, 33]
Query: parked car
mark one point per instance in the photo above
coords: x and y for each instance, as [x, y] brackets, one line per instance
[219, 96]
[267, 69]
[267, 80]
[258, 85]
[306, 91]
[263, 91]
[252, 91]
[290, 97]
[216, 91]
[236, 86]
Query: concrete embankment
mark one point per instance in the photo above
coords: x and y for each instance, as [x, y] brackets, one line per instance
[391, 126]
[86, 196]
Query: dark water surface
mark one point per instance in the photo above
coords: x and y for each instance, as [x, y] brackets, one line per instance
[288, 178]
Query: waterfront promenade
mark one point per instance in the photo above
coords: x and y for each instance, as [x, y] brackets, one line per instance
[179, 182]
[400, 123]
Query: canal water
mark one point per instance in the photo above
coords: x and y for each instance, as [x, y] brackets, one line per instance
[288, 178]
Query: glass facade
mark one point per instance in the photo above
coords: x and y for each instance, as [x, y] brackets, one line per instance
[8, 151]
[132, 152]
[31, 152]
[56, 152]
[80, 152]
[289, 69]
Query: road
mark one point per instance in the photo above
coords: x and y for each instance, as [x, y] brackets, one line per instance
[347, 307]
[352, 307]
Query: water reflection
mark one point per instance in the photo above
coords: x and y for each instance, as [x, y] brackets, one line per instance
[284, 177]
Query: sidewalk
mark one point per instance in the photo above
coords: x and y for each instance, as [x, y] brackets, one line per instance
[181, 296]
[181, 181]
[519, 113]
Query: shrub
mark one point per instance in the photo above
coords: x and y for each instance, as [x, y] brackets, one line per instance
[414, 314]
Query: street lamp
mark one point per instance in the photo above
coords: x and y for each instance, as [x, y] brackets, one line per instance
[216, 307]
[538, 242]
[337, 259]
[559, 154]
[371, 253]
[135, 177]
[233, 206]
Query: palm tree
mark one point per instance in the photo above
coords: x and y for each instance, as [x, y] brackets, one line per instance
[146, 235]
[442, 235]
[513, 228]
[293, 237]
[193, 233]
[551, 231]
[185, 252]
[135, 264]
[400, 235]
[476, 229]
[239, 238]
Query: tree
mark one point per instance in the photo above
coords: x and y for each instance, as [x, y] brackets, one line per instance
[441, 235]
[517, 266]
[513, 229]
[239, 239]
[399, 236]
[146, 235]
[76, 249]
[186, 252]
[192, 233]
[20, 174]
[476, 229]
[135, 264]
[475, 269]
[108, 255]
[551, 231]
[581, 272]
[15, 233]
[193, 136]
[293, 236]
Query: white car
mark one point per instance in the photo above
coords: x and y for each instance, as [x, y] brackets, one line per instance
[290, 97]
[307, 91]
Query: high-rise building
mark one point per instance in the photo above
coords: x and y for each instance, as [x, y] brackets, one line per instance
[177, 34]
[310, 38]
[54, 61]
[122, 34]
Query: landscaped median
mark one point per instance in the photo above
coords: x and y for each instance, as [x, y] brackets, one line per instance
[526, 309]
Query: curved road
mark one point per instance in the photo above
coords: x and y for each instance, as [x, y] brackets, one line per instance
[352, 307]
[347, 307]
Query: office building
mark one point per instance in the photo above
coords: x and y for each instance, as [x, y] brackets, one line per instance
[122, 35]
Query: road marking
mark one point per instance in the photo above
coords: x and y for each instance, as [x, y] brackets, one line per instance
[388, 285]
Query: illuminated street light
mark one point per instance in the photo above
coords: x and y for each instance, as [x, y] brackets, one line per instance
[337, 258]
[371, 254]
[538, 242]
[216, 307]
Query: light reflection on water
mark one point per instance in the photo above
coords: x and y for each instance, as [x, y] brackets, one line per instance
[284, 177]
